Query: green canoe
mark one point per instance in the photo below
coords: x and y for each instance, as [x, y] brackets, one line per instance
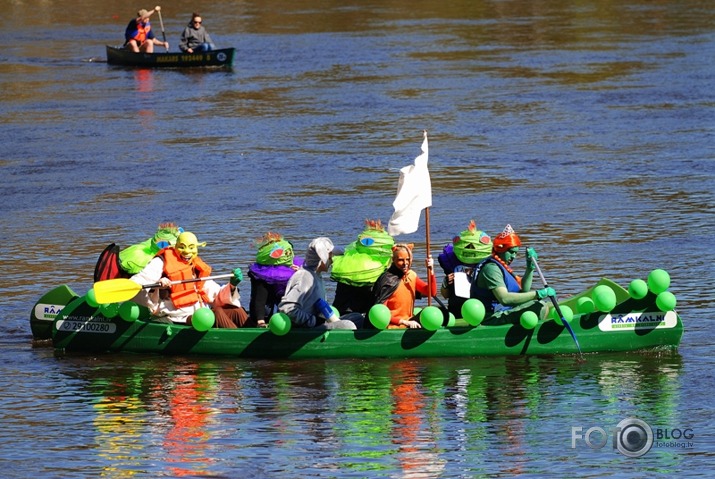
[633, 325]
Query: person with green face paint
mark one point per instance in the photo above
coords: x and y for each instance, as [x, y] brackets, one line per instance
[178, 302]
[505, 295]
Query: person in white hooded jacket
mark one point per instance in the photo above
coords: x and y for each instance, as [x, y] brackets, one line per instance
[304, 299]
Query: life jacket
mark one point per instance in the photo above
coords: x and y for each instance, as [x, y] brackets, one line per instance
[142, 32]
[485, 295]
[176, 269]
[397, 292]
[108, 266]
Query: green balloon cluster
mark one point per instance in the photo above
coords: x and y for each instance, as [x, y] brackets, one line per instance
[91, 299]
[109, 310]
[584, 305]
[473, 311]
[567, 313]
[379, 316]
[129, 311]
[431, 318]
[528, 320]
[279, 324]
[658, 281]
[604, 298]
[637, 289]
[665, 301]
[203, 319]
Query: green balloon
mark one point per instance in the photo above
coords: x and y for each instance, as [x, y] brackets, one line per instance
[665, 301]
[584, 305]
[91, 299]
[566, 311]
[279, 324]
[658, 281]
[637, 289]
[431, 318]
[129, 311]
[335, 311]
[604, 298]
[416, 310]
[379, 315]
[203, 319]
[451, 321]
[109, 310]
[473, 311]
[529, 320]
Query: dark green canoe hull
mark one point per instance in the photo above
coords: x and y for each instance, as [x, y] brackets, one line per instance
[634, 325]
[46, 310]
[214, 58]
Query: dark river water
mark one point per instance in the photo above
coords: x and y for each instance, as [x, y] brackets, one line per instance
[588, 126]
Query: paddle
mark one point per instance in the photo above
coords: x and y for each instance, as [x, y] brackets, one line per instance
[556, 306]
[161, 23]
[122, 289]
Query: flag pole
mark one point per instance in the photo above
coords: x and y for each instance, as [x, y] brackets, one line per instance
[427, 250]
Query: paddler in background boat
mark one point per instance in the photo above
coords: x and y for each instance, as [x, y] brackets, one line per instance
[399, 286]
[504, 294]
[458, 259]
[274, 266]
[139, 37]
[195, 38]
[178, 302]
[357, 269]
[304, 300]
[113, 263]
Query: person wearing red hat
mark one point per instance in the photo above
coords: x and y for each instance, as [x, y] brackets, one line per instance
[505, 295]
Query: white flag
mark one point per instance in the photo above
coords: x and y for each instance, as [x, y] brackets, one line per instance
[414, 193]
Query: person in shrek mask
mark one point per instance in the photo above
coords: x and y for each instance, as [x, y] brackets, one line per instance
[274, 266]
[461, 256]
[505, 295]
[356, 271]
[177, 303]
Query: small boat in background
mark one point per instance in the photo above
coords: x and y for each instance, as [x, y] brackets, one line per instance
[215, 58]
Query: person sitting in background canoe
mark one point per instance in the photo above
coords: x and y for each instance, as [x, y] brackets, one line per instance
[357, 269]
[178, 302]
[274, 266]
[113, 263]
[139, 37]
[399, 287]
[304, 300]
[505, 295]
[461, 256]
[195, 38]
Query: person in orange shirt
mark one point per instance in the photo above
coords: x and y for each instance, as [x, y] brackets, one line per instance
[399, 286]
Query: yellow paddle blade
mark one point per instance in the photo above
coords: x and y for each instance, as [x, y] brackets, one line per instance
[115, 290]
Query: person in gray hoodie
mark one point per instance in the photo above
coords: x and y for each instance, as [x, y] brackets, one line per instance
[304, 299]
[195, 38]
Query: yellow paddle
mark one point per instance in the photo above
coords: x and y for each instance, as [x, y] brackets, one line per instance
[122, 289]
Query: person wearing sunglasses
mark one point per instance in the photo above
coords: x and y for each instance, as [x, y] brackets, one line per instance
[195, 38]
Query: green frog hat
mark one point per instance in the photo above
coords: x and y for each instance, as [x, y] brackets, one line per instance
[472, 245]
[365, 259]
[273, 249]
[135, 257]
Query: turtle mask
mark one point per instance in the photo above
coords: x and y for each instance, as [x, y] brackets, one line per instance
[165, 236]
[472, 245]
[374, 240]
[276, 251]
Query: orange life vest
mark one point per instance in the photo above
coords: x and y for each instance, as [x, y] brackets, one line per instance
[402, 301]
[142, 32]
[176, 269]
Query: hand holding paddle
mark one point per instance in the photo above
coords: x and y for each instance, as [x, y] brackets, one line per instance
[122, 289]
[552, 296]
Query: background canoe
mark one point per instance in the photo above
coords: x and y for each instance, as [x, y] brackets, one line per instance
[215, 58]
